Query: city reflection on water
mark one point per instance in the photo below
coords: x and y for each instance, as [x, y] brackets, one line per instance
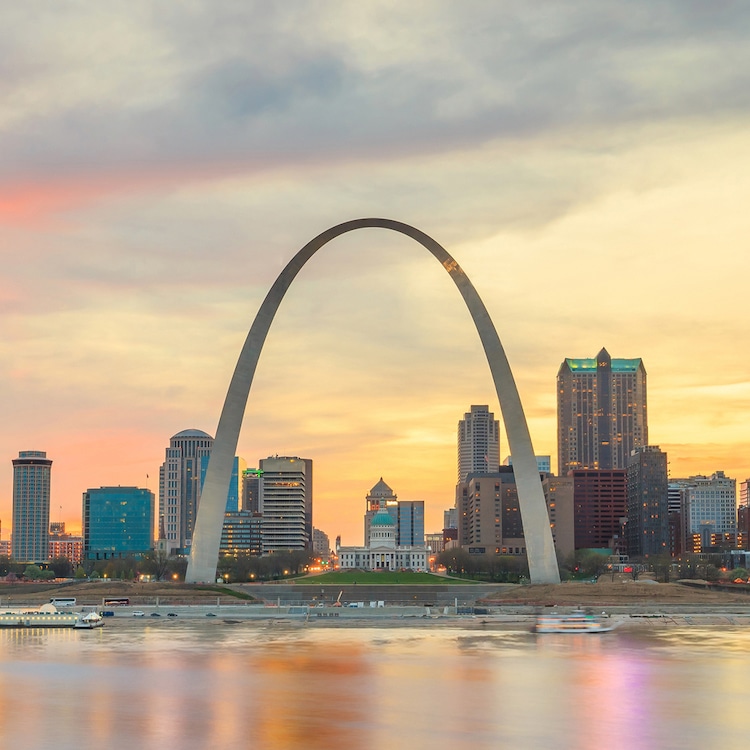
[191, 684]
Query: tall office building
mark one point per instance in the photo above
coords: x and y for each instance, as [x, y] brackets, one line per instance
[710, 507]
[648, 502]
[117, 522]
[31, 486]
[601, 412]
[478, 443]
[600, 500]
[179, 486]
[286, 501]
[489, 514]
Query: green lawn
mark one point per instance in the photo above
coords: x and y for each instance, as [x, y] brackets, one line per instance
[388, 578]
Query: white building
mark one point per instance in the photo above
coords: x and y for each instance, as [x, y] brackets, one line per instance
[382, 552]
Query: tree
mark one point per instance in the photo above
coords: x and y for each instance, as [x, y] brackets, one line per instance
[455, 560]
[35, 573]
[80, 573]
[587, 563]
[156, 563]
[61, 567]
[663, 567]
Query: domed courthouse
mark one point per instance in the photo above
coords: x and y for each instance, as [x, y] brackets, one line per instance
[382, 552]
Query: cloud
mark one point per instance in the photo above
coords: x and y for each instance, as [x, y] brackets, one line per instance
[248, 87]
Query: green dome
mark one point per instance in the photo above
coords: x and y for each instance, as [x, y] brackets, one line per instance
[382, 518]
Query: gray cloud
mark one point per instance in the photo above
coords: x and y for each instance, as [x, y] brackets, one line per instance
[255, 86]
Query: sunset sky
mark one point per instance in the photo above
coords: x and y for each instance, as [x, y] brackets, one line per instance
[586, 162]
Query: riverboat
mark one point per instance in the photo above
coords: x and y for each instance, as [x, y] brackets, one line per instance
[575, 622]
[47, 616]
[89, 621]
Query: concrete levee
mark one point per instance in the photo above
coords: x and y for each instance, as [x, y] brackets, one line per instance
[401, 595]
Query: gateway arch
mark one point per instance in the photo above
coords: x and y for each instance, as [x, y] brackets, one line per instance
[540, 549]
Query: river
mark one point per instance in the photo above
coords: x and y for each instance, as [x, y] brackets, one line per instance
[190, 684]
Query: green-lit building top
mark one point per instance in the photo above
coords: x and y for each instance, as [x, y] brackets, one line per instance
[618, 365]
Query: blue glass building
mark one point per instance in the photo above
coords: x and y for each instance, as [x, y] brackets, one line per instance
[117, 522]
[410, 523]
[234, 496]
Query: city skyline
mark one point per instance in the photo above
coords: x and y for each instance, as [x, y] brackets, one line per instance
[585, 167]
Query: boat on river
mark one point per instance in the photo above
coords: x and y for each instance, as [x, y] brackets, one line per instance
[577, 621]
[89, 621]
[48, 616]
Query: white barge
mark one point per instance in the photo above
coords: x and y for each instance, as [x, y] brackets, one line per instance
[47, 616]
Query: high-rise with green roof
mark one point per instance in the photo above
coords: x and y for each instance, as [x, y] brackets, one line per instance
[601, 412]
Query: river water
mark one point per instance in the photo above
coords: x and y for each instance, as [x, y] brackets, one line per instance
[193, 684]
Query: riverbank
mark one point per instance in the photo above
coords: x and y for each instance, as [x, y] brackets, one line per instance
[627, 598]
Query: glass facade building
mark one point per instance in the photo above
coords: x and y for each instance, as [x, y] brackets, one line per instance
[117, 522]
[234, 495]
[648, 502]
[410, 529]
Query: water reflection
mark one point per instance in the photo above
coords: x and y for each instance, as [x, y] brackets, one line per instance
[208, 685]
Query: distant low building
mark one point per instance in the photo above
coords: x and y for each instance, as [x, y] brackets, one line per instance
[435, 542]
[321, 543]
[66, 545]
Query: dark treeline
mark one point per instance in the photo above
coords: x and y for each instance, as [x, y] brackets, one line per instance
[232, 569]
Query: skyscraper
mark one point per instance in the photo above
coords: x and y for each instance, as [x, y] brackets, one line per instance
[601, 412]
[478, 442]
[31, 485]
[648, 502]
[179, 485]
[286, 502]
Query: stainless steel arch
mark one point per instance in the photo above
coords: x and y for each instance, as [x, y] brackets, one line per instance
[207, 532]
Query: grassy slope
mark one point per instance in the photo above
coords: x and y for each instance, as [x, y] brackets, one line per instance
[367, 578]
